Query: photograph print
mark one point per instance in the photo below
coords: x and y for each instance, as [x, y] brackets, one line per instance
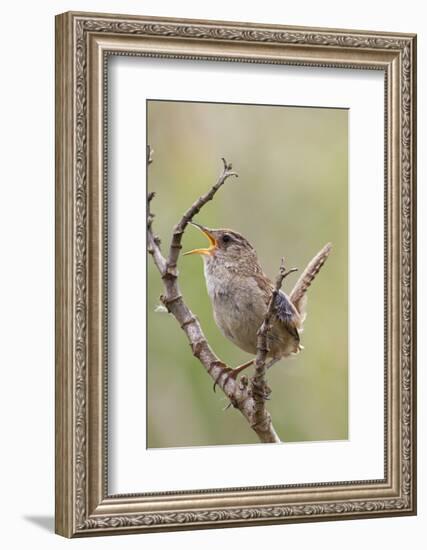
[247, 274]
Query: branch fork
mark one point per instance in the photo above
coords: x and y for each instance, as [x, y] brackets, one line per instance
[248, 396]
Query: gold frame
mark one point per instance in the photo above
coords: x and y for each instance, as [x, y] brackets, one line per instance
[83, 42]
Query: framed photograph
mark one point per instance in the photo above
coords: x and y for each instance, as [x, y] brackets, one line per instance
[235, 274]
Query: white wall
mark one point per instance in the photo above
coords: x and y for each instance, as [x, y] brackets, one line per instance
[27, 267]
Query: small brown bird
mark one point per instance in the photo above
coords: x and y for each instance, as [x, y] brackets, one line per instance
[240, 293]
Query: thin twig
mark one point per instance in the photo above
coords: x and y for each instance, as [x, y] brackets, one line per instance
[149, 155]
[259, 388]
[239, 394]
[153, 241]
[178, 230]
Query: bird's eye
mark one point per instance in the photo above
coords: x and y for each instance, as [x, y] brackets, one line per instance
[226, 238]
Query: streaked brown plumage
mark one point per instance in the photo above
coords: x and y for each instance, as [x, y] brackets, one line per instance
[240, 293]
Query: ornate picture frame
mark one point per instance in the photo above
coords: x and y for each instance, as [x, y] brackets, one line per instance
[84, 42]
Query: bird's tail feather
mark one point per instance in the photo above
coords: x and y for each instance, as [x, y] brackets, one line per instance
[298, 295]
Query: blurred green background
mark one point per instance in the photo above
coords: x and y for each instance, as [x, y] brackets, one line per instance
[290, 199]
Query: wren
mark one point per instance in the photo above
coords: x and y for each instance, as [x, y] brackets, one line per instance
[240, 293]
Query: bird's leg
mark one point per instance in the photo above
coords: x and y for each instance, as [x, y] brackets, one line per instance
[232, 373]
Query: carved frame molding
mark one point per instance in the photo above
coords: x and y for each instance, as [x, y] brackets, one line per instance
[83, 43]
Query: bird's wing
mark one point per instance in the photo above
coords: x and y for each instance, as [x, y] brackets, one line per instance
[285, 312]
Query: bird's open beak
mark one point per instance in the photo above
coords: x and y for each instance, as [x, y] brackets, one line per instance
[211, 239]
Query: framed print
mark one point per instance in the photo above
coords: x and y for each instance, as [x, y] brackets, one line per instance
[235, 274]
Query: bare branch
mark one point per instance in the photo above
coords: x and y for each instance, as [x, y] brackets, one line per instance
[150, 153]
[239, 393]
[153, 241]
[178, 231]
[259, 388]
